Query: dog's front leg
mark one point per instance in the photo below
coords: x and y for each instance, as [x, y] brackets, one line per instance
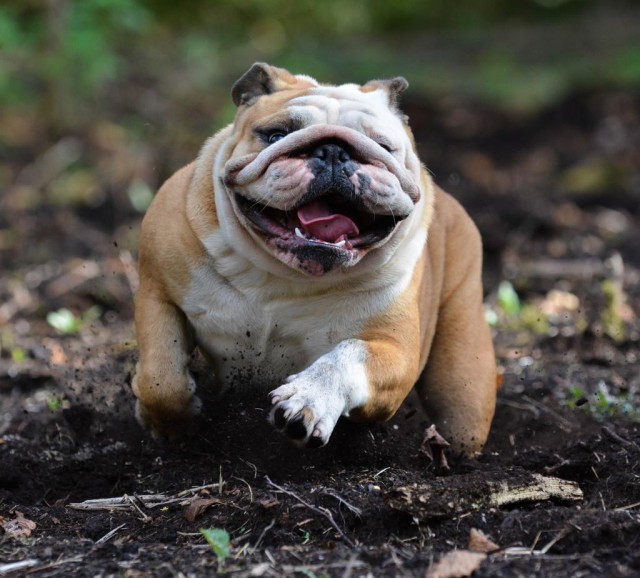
[163, 385]
[365, 379]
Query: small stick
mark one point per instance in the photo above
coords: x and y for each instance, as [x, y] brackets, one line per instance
[565, 424]
[262, 535]
[248, 486]
[109, 535]
[134, 502]
[322, 511]
[610, 432]
[350, 507]
[20, 565]
[147, 500]
[62, 562]
[196, 489]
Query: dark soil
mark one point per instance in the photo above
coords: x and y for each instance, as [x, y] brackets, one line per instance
[556, 197]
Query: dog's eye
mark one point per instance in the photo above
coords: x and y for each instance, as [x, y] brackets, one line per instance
[275, 136]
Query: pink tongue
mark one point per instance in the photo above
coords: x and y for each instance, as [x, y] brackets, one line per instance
[318, 220]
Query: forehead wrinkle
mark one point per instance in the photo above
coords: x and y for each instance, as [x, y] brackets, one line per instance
[333, 109]
[328, 107]
[307, 112]
[283, 116]
[345, 101]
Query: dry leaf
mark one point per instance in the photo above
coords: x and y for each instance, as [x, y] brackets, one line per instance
[558, 303]
[479, 542]
[198, 506]
[19, 527]
[433, 446]
[456, 564]
[58, 356]
[269, 503]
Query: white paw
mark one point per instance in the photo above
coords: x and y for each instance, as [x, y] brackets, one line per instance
[305, 412]
[307, 407]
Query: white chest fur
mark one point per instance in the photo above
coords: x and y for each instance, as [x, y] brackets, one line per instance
[257, 329]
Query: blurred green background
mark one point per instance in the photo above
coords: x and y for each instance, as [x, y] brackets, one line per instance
[101, 99]
[72, 62]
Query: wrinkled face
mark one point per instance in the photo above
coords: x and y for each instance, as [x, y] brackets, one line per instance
[322, 175]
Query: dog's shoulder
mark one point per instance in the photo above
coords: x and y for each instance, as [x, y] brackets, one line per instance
[454, 241]
[169, 201]
[168, 246]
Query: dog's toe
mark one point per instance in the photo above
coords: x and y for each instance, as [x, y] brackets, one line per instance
[302, 416]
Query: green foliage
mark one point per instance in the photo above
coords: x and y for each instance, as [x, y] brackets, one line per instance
[508, 299]
[219, 541]
[67, 323]
[64, 321]
[626, 65]
[66, 46]
[140, 195]
[603, 404]
[332, 16]
[532, 318]
[18, 354]
[70, 58]
[612, 322]
[54, 404]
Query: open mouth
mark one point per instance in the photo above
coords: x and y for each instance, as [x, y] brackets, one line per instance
[330, 221]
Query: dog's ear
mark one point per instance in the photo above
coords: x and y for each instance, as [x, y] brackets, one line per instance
[259, 80]
[394, 87]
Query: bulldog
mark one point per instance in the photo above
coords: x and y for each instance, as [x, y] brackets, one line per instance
[307, 251]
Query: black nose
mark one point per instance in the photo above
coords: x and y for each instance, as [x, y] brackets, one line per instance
[331, 154]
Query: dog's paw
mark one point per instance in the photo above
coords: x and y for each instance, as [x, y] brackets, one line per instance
[305, 410]
[307, 407]
[168, 413]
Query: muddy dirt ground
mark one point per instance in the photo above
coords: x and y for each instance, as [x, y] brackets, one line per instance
[556, 197]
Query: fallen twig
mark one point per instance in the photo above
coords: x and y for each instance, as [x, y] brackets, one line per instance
[109, 535]
[353, 509]
[615, 436]
[564, 423]
[263, 534]
[248, 486]
[625, 508]
[15, 566]
[56, 564]
[322, 511]
[149, 501]
[134, 502]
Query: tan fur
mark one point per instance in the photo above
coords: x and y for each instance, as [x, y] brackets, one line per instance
[441, 316]
[432, 334]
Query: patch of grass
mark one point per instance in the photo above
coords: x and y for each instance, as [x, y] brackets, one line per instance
[67, 323]
[54, 404]
[603, 404]
[508, 299]
[18, 354]
[612, 316]
[510, 313]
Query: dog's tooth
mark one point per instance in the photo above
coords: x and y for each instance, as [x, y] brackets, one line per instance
[299, 233]
[341, 243]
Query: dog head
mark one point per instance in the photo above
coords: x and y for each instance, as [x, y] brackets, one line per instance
[319, 175]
